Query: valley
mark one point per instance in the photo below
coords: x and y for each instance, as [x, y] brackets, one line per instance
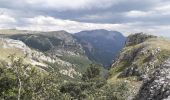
[89, 65]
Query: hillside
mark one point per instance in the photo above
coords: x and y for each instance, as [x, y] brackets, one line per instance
[56, 42]
[15, 31]
[143, 65]
[36, 58]
[101, 46]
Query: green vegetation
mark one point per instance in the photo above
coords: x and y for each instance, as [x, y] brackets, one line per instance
[39, 42]
[24, 82]
[80, 61]
[19, 81]
[94, 86]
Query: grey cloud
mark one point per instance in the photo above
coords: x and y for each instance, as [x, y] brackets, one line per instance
[114, 13]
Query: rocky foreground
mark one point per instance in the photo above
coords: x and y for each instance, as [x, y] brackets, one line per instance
[157, 85]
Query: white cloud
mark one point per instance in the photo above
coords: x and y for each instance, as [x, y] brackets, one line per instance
[42, 23]
[7, 21]
[135, 13]
[47, 23]
[94, 17]
[163, 9]
[156, 12]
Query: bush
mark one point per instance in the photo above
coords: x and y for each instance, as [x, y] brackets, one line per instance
[92, 72]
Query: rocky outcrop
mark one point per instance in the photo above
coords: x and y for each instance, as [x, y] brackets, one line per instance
[157, 85]
[131, 71]
[137, 38]
[71, 72]
[10, 43]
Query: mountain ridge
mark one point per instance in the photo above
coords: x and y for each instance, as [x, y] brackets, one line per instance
[101, 45]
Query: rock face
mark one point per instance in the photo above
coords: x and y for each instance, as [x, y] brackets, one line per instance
[157, 85]
[9, 43]
[145, 64]
[101, 46]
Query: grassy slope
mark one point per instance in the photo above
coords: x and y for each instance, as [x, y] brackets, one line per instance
[14, 31]
[5, 52]
[11, 31]
[80, 61]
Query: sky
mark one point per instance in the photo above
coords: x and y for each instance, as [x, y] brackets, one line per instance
[126, 16]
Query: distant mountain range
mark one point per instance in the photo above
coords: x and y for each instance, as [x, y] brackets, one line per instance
[100, 46]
